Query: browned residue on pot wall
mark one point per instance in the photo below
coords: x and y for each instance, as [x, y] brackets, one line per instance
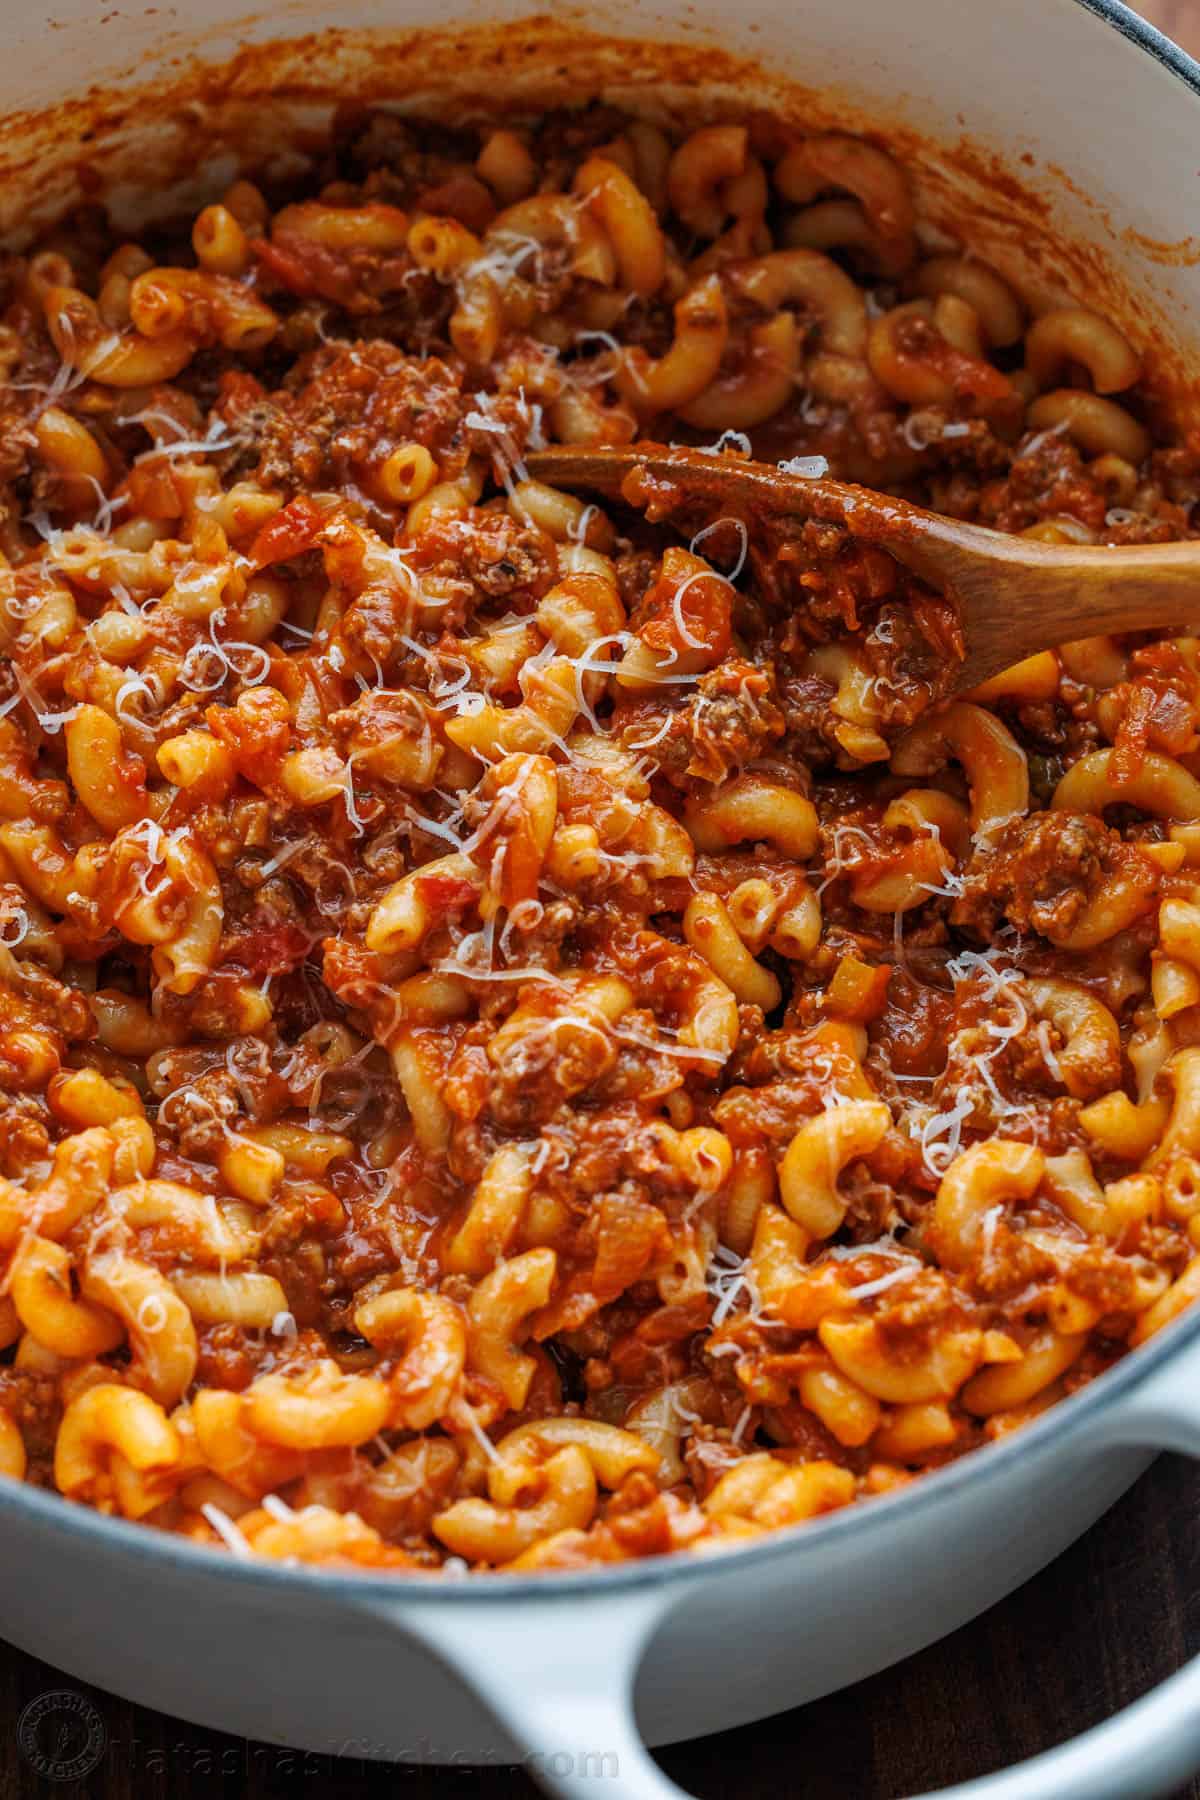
[275, 101]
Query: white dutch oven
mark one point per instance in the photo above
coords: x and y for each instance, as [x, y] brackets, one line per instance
[571, 1673]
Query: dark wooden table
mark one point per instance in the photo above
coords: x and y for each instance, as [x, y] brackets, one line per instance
[1108, 1620]
[1180, 19]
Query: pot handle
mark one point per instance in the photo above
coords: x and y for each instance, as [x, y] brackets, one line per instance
[559, 1673]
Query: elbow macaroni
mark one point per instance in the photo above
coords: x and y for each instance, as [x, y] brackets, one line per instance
[533, 1035]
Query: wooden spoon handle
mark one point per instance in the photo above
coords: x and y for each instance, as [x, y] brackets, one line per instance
[1018, 596]
[701, 473]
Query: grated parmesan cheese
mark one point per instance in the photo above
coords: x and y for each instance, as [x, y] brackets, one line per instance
[809, 468]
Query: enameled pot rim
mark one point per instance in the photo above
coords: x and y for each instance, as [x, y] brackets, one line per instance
[934, 1491]
[938, 1489]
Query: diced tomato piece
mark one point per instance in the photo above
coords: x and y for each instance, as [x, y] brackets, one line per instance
[292, 530]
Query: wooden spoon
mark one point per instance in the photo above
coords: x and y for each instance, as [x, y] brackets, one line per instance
[1015, 595]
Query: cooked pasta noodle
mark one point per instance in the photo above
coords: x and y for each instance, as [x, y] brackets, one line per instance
[528, 1032]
